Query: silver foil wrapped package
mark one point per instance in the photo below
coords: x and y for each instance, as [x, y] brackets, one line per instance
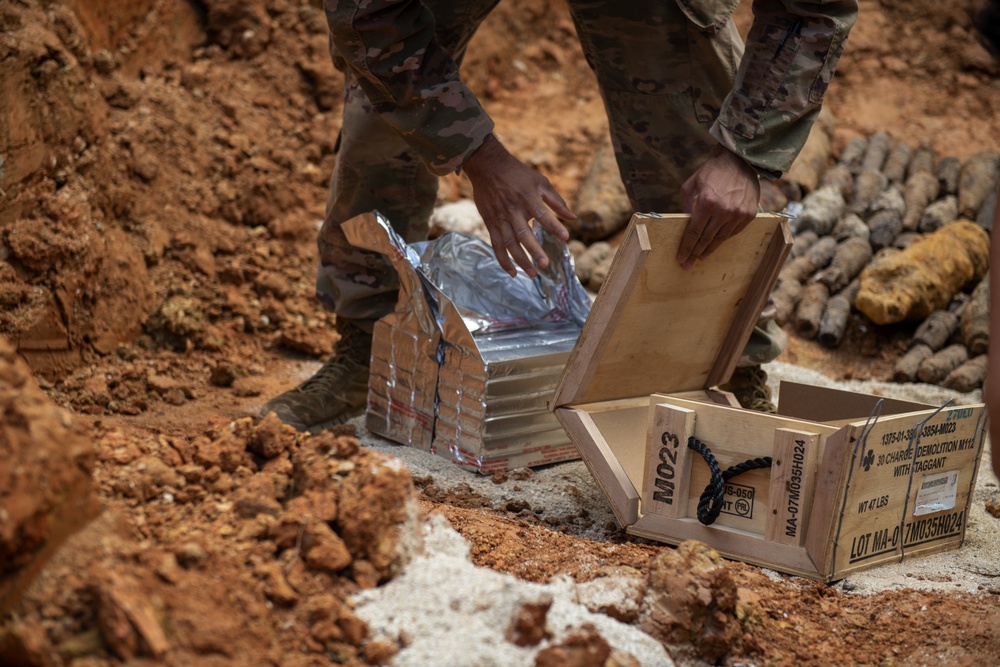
[466, 364]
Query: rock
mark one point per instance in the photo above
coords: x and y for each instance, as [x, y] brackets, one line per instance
[618, 595]
[126, 619]
[583, 648]
[692, 598]
[924, 277]
[323, 549]
[378, 516]
[527, 624]
[46, 491]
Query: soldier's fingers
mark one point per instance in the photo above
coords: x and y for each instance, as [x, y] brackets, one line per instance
[499, 243]
[555, 202]
[548, 220]
[520, 237]
[691, 239]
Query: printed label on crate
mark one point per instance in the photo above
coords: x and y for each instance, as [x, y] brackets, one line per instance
[909, 484]
[937, 493]
[738, 500]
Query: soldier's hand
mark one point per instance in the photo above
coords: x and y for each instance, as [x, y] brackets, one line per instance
[509, 195]
[722, 197]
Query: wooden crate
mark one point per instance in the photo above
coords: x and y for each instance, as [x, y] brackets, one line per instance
[854, 481]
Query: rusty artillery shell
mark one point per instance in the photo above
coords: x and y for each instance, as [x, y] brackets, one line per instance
[976, 181]
[837, 314]
[851, 226]
[938, 214]
[786, 295]
[821, 252]
[590, 259]
[799, 269]
[987, 211]
[922, 160]
[867, 187]
[937, 329]
[935, 368]
[921, 189]
[947, 175]
[602, 205]
[853, 155]
[809, 312]
[878, 151]
[839, 176]
[821, 210]
[849, 259]
[976, 318]
[897, 162]
[907, 365]
[801, 243]
[969, 376]
[885, 226]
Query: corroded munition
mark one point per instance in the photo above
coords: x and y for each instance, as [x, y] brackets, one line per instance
[821, 210]
[976, 318]
[937, 329]
[849, 259]
[835, 317]
[922, 160]
[969, 376]
[602, 205]
[810, 309]
[924, 277]
[977, 180]
[897, 162]
[935, 368]
[947, 175]
[921, 189]
[939, 214]
[907, 365]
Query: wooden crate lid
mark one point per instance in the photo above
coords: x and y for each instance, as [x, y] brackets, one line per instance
[656, 327]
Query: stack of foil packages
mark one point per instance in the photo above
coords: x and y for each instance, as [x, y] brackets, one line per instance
[466, 364]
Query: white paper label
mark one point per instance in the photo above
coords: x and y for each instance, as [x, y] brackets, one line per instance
[937, 493]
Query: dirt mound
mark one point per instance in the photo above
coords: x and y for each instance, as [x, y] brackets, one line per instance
[254, 517]
[46, 491]
[143, 162]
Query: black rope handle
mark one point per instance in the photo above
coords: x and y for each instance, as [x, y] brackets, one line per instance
[710, 501]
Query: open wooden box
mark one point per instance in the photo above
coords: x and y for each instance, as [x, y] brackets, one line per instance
[854, 481]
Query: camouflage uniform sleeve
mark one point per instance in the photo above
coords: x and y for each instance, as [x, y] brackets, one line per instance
[791, 54]
[410, 79]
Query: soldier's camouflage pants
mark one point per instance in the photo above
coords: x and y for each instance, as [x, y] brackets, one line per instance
[662, 79]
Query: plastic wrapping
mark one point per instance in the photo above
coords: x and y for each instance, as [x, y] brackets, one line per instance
[466, 364]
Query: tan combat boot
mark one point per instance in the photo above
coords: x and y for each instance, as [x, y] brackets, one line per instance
[337, 392]
[749, 385]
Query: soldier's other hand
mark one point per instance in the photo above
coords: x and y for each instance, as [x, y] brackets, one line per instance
[722, 197]
[509, 195]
